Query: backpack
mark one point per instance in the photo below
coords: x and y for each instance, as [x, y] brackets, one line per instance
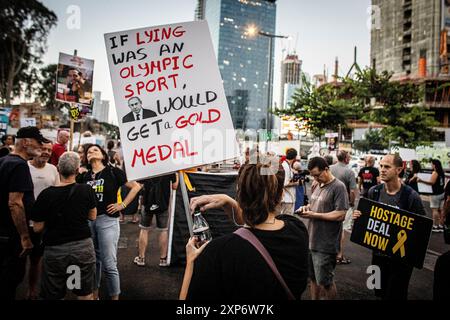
[374, 194]
[154, 199]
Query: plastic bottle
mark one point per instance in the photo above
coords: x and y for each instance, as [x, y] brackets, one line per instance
[200, 228]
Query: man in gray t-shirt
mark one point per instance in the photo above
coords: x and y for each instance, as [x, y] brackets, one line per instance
[328, 205]
[342, 172]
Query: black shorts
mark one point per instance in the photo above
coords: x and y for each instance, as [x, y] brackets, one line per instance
[161, 220]
[68, 266]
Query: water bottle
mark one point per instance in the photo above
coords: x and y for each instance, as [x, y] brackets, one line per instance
[200, 228]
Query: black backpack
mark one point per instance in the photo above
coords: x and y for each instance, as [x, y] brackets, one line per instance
[374, 194]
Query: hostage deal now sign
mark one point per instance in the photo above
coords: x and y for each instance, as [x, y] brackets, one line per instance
[397, 233]
[169, 97]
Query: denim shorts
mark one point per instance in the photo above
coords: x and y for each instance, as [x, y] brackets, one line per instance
[61, 265]
[437, 201]
[321, 268]
[161, 220]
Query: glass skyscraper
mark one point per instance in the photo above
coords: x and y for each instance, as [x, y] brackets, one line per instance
[243, 60]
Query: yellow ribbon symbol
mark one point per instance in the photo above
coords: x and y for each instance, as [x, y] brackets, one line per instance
[401, 237]
[74, 112]
[187, 181]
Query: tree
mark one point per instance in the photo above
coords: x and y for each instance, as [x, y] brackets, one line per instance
[323, 108]
[110, 130]
[398, 107]
[372, 140]
[371, 97]
[24, 27]
[46, 88]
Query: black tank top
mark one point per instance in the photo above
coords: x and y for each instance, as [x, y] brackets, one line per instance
[438, 186]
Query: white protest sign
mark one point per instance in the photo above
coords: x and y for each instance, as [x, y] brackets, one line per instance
[424, 188]
[27, 122]
[331, 135]
[407, 154]
[170, 102]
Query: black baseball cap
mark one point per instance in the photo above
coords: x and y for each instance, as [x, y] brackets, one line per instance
[31, 132]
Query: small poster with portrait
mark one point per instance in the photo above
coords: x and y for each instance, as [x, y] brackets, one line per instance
[74, 78]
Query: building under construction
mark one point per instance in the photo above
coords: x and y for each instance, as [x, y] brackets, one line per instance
[291, 70]
[410, 39]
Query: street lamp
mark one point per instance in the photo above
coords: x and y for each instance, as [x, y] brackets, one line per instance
[252, 31]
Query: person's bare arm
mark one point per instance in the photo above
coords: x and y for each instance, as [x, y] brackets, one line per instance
[433, 179]
[15, 203]
[92, 214]
[175, 184]
[134, 190]
[356, 214]
[215, 201]
[189, 269]
[38, 227]
[352, 197]
[292, 184]
[192, 252]
[329, 216]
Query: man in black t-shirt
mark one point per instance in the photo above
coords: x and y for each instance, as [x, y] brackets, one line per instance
[16, 200]
[368, 176]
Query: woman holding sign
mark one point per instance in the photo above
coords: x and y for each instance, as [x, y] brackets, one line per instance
[106, 180]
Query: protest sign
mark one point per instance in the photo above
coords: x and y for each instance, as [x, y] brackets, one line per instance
[74, 79]
[423, 187]
[169, 98]
[78, 111]
[4, 121]
[27, 122]
[407, 154]
[331, 135]
[14, 117]
[402, 235]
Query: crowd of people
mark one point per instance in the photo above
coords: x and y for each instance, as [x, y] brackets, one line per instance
[61, 210]
[304, 244]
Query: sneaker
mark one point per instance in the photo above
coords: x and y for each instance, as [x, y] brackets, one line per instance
[435, 229]
[441, 228]
[163, 262]
[140, 261]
